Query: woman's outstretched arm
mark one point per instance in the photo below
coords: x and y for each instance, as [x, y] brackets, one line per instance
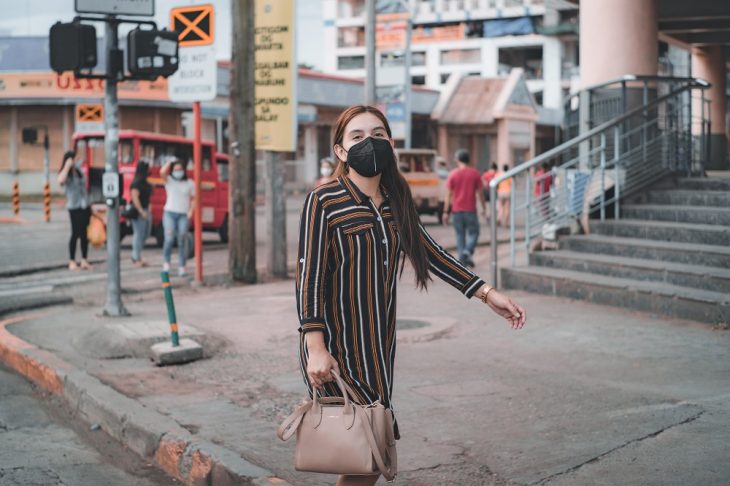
[453, 272]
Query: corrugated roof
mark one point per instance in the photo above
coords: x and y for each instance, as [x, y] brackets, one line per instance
[473, 101]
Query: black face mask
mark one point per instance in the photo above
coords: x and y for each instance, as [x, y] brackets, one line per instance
[370, 156]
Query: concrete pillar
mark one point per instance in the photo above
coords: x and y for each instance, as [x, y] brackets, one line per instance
[617, 37]
[708, 63]
[308, 169]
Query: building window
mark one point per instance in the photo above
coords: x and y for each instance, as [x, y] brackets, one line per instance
[418, 80]
[351, 37]
[350, 8]
[418, 59]
[461, 56]
[527, 58]
[445, 77]
[350, 62]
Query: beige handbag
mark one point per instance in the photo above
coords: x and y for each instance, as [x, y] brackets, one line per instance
[337, 436]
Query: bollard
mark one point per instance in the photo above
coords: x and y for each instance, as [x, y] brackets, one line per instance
[167, 288]
[47, 202]
[16, 198]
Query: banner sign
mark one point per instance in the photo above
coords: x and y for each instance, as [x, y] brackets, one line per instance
[276, 76]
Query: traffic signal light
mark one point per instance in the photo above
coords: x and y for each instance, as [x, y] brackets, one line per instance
[152, 53]
[30, 135]
[72, 46]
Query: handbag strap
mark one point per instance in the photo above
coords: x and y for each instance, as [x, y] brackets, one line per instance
[290, 425]
[387, 471]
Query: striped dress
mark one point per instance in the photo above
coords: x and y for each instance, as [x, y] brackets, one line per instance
[346, 285]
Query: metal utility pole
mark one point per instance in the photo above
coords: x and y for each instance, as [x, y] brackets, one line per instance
[113, 306]
[276, 213]
[242, 208]
[370, 52]
[408, 84]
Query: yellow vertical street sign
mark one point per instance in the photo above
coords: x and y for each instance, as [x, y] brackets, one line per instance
[276, 76]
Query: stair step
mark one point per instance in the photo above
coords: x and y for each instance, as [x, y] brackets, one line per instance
[681, 214]
[679, 197]
[664, 231]
[660, 298]
[693, 276]
[704, 183]
[688, 253]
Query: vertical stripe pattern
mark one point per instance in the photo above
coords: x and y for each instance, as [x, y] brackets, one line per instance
[346, 284]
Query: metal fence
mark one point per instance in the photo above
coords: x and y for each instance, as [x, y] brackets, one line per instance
[593, 172]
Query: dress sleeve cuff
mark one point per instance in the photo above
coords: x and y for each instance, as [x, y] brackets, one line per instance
[312, 324]
[474, 284]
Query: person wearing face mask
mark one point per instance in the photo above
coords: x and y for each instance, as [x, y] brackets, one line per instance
[72, 178]
[177, 212]
[326, 169]
[355, 231]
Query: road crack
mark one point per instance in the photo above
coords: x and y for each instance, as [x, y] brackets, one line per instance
[625, 444]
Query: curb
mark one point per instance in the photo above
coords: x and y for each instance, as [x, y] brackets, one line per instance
[24, 302]
[17, 272]
[148, 433]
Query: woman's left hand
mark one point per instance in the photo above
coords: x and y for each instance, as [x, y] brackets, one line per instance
[503, 305]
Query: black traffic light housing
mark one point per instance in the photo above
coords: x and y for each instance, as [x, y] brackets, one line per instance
[30, 135]
[72, 46]
[152, 53]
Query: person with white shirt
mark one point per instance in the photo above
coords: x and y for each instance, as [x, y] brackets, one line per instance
[177, 212]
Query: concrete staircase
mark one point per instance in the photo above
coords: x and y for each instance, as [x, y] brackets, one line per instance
[669, 254]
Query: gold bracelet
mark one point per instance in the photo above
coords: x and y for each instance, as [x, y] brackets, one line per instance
[485, 295]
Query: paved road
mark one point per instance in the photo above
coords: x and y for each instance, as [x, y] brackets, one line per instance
[38, 445]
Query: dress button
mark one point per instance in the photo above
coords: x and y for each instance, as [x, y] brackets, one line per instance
[385, 263]
[379, 218]
[385, 241]
[301, 260]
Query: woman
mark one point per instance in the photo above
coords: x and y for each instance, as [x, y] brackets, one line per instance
[353, 233]
[326, 169]
[73, 180]
[140, 193]
[177, 212]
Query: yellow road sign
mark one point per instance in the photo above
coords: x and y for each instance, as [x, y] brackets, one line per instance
[194, 25]
[90, 113]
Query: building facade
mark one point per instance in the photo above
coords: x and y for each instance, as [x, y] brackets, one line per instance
[487, 38]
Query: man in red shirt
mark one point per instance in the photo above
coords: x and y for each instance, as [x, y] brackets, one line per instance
[463, 186]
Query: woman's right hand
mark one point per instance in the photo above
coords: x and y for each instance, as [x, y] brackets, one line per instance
[319, 365]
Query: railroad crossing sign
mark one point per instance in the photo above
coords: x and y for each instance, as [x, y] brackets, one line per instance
[89, 117]
[194, 25]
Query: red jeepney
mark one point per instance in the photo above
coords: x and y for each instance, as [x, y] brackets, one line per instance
[156, 150]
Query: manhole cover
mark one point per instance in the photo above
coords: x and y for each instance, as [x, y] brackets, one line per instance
[405, 324]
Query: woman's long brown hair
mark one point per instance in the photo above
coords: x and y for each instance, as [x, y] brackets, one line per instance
[399, 194]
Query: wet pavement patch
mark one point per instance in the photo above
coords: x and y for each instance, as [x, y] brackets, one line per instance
[407, 324]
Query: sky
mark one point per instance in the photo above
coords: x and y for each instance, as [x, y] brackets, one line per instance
[35, 17]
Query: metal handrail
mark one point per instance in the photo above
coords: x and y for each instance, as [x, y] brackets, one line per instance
[575, 143]
[634, 77]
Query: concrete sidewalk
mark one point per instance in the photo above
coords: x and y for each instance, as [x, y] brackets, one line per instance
[585, 394]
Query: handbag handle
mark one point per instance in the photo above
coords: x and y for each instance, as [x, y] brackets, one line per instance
[344, 388]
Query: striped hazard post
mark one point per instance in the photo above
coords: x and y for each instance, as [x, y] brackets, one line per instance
[16, 198]
[167, 289]
[47, 202]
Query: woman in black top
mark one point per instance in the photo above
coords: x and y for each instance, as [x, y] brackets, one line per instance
[354, 232]
[140, 215]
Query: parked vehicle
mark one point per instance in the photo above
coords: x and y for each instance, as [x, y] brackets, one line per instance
[156, 149]
[428, 187]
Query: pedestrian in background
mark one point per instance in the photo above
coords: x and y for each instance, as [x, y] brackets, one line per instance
[463, 188]
[503, 197]
[72, 178]
[177, 212]
[326, 169]
[140, 195]
[353, 233]
[487, 177]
